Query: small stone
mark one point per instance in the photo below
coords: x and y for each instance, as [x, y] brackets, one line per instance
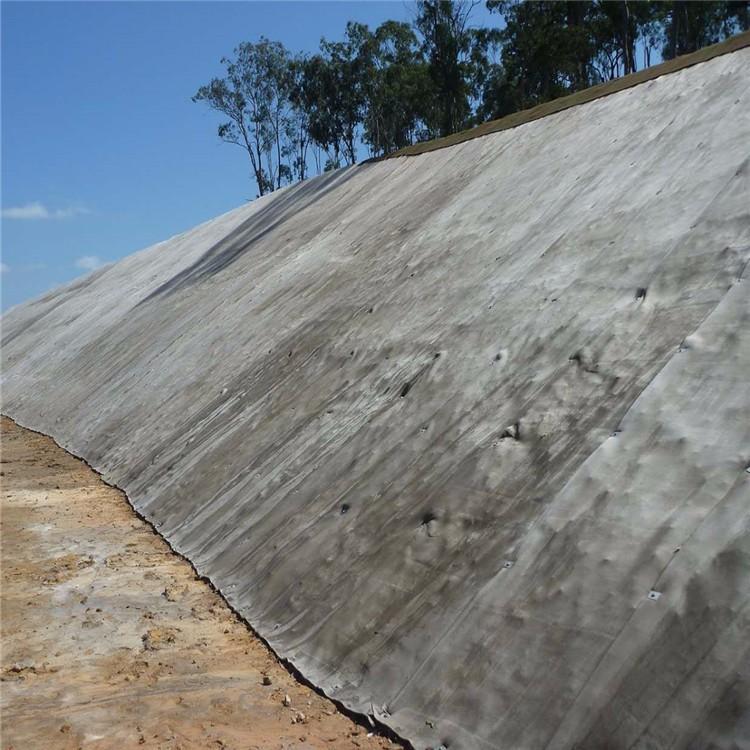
[266, 680]
[157, 638]
[287, 701]
[174, 592]
[510, 432]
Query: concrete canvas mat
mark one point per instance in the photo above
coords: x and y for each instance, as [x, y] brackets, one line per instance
[465, 435]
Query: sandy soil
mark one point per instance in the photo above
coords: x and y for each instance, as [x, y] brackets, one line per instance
[110, 641]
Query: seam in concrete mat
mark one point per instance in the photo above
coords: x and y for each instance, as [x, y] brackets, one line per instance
[369, 722]
[590, 94]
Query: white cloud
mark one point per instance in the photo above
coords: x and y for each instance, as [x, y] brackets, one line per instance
[4, 268]
[89, 262]
[38, 210]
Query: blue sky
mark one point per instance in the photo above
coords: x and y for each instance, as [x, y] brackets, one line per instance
[103, 152]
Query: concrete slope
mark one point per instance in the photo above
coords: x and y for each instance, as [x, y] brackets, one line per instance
[437, 426]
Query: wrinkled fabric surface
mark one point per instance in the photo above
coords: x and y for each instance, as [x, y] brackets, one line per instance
[465, 436]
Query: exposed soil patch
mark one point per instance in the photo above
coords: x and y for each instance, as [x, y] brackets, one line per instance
[110, 641]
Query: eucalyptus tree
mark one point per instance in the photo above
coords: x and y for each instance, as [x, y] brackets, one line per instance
[255, 97]
[396, 85]
[446, 44]
[401, 83]
[298, 134]
[331, 94]
[688, 26]
[547, 48]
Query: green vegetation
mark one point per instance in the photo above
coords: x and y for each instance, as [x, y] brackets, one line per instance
[405, 83]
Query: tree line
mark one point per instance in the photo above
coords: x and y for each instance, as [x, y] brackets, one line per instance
[400, 83]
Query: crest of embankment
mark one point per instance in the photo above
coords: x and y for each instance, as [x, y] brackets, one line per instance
[464, 436]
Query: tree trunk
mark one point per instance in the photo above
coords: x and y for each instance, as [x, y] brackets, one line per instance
[628, 43]
[278, 153]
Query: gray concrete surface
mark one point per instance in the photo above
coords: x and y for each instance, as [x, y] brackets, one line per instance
[437, 426]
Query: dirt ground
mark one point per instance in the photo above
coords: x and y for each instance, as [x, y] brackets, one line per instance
[110, 641]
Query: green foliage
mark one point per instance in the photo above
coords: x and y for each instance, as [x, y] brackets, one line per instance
[255, 96]
[546, 49]
[688, 26]
[332, 93]
[396, 88]
[403, 83]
